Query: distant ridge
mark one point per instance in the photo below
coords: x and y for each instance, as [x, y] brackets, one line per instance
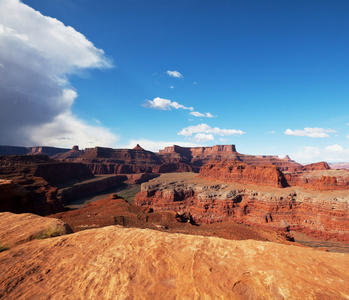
[17, 150]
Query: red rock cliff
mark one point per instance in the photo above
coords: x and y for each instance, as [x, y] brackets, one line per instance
[243, 173]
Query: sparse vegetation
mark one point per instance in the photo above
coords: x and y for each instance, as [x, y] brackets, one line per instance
[50, 232]
[130, 193]
[3, 248]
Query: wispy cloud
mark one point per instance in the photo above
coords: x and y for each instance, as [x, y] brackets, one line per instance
[174, 74]
[271, 132]
[164, 104]
[198, 114]
[206, 129]
[37, 55]
[311, 132]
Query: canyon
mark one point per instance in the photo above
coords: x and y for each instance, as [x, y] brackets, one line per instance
[260, 191]
[208, 222]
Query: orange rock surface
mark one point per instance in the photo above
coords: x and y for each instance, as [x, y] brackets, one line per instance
[268, 175]
[18, 229]
[322, 214]
[118, 263]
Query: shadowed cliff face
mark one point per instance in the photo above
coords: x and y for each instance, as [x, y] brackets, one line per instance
[118, 263]
[36, 177]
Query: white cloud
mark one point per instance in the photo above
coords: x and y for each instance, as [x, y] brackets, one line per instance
[204, 128]
[202, 137]
[171, 87]
[174, 74]
[332, 153]
[310, 132]
[164, 104]
[271, 132]
[37, 54]
[155, 146]
[198, 114]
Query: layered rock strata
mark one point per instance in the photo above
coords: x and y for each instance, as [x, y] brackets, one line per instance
[328, 180]
[321, 214]
[268, 175]
[118, 263]
[33, 181]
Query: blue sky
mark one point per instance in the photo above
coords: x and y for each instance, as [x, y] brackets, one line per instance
[270, 77]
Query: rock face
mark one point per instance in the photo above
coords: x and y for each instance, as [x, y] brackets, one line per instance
[268, 175]
[22, 228]
[36, 178]
[118, 263]
[320, 214]
[15, 198]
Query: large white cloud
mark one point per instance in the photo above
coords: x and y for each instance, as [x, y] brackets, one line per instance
[310, 132]
[37, 53]
[204, 128]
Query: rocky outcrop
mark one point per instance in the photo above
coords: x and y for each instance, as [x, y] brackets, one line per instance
[141, 177]
[238, 172]
[16, 229]
[316, 166]
[320, 214]
[118, 263]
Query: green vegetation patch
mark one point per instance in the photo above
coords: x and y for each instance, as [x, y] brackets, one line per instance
[3, 248]
[50, 232]
[130, 193]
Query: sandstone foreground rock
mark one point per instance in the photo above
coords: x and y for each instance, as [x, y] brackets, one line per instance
[118, 263]
[17, 229]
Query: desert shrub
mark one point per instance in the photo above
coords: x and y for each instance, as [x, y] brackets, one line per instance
[50, 232]
[3, 248]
